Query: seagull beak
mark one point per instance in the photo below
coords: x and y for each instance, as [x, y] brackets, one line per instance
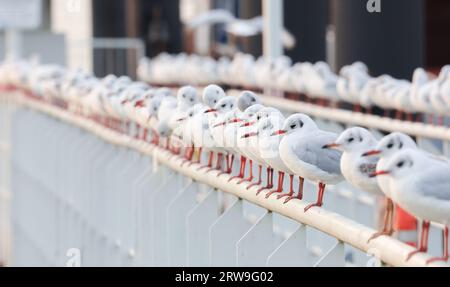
[331, 145]
[210, 111]
[247, 135]
[235, 120]
[278, 133]
[371, 152]
[139, 103]
[247, 124]
[380, 172]
[219, 124]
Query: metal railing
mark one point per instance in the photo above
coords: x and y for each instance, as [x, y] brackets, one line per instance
[84, 194]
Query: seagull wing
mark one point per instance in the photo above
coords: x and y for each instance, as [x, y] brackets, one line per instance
[211, 17]
[309, 149]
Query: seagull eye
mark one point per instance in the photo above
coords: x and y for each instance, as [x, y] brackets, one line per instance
[350, 140]
[223, 105]
[390, 145]
[400, 164]
[293, 126]
[184, 96]
[215, 101]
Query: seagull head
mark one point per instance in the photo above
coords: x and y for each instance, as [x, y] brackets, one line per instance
[225, 104]
[212, 94]
[187, 96]
[353, 139]
[297, 123]
[401, 164]
[247, 99]
[391, 144]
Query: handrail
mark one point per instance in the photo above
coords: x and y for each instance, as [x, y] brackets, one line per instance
[387, 249]
[356, 118]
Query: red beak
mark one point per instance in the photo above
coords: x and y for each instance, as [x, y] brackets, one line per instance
[380, 172]
[331, 145]
[247, 135]
[219, 124]
[278, 132]
[371, 152]
[139, 103]
[235, 120]
[248, 124]
[210, 111]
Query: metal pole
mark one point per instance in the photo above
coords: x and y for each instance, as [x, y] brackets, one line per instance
[273, 25]
[13, 43]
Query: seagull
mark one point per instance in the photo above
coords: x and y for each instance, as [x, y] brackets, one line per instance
[269, 151]
[420, 185]
[202, 136]
[355, 168]
[388, 146]
[301, 149]
[217, 125]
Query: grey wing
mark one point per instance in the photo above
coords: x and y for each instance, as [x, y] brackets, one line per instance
[326, 159]
[437, 186]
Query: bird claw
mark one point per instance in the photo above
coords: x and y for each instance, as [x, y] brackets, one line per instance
[312, 205]
[378, 234]
[234, 177]
[202, 167]
[435, 259]
[245, 180]
[411, 254]
[272, 192]
[253, 184]
[263, 188]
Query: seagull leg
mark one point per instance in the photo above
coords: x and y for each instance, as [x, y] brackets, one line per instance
[269, 180]
[259, 178]
[250, 176]
[199, 157]
[319, 197]
[241, 170]
[387, 226]
[188, 154]
[299, 196]
[280, 185]
[445, 242]
[218, 163]
[210, 160]
[423, 246]
[229, 162]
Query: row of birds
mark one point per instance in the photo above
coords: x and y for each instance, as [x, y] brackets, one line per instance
[423, 94]
[216, 127]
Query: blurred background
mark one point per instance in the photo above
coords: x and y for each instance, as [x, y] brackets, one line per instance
[110, 36]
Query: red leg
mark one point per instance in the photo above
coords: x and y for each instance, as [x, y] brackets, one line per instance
[319, 197]
[387, 227]
[241, 170]
[423, 246]
[250, 176]
[230, 160]
[219, 161]
[210, 160]
[280, 185]
[291, 188]
[259, 178]
[445, 248]
[269, 180]
[299, 196]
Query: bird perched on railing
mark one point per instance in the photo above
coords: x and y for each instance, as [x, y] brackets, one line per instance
[387, 147]
[301, 149]
[420, 184]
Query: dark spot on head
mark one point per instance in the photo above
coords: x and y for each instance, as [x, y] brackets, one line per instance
[400, 164]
